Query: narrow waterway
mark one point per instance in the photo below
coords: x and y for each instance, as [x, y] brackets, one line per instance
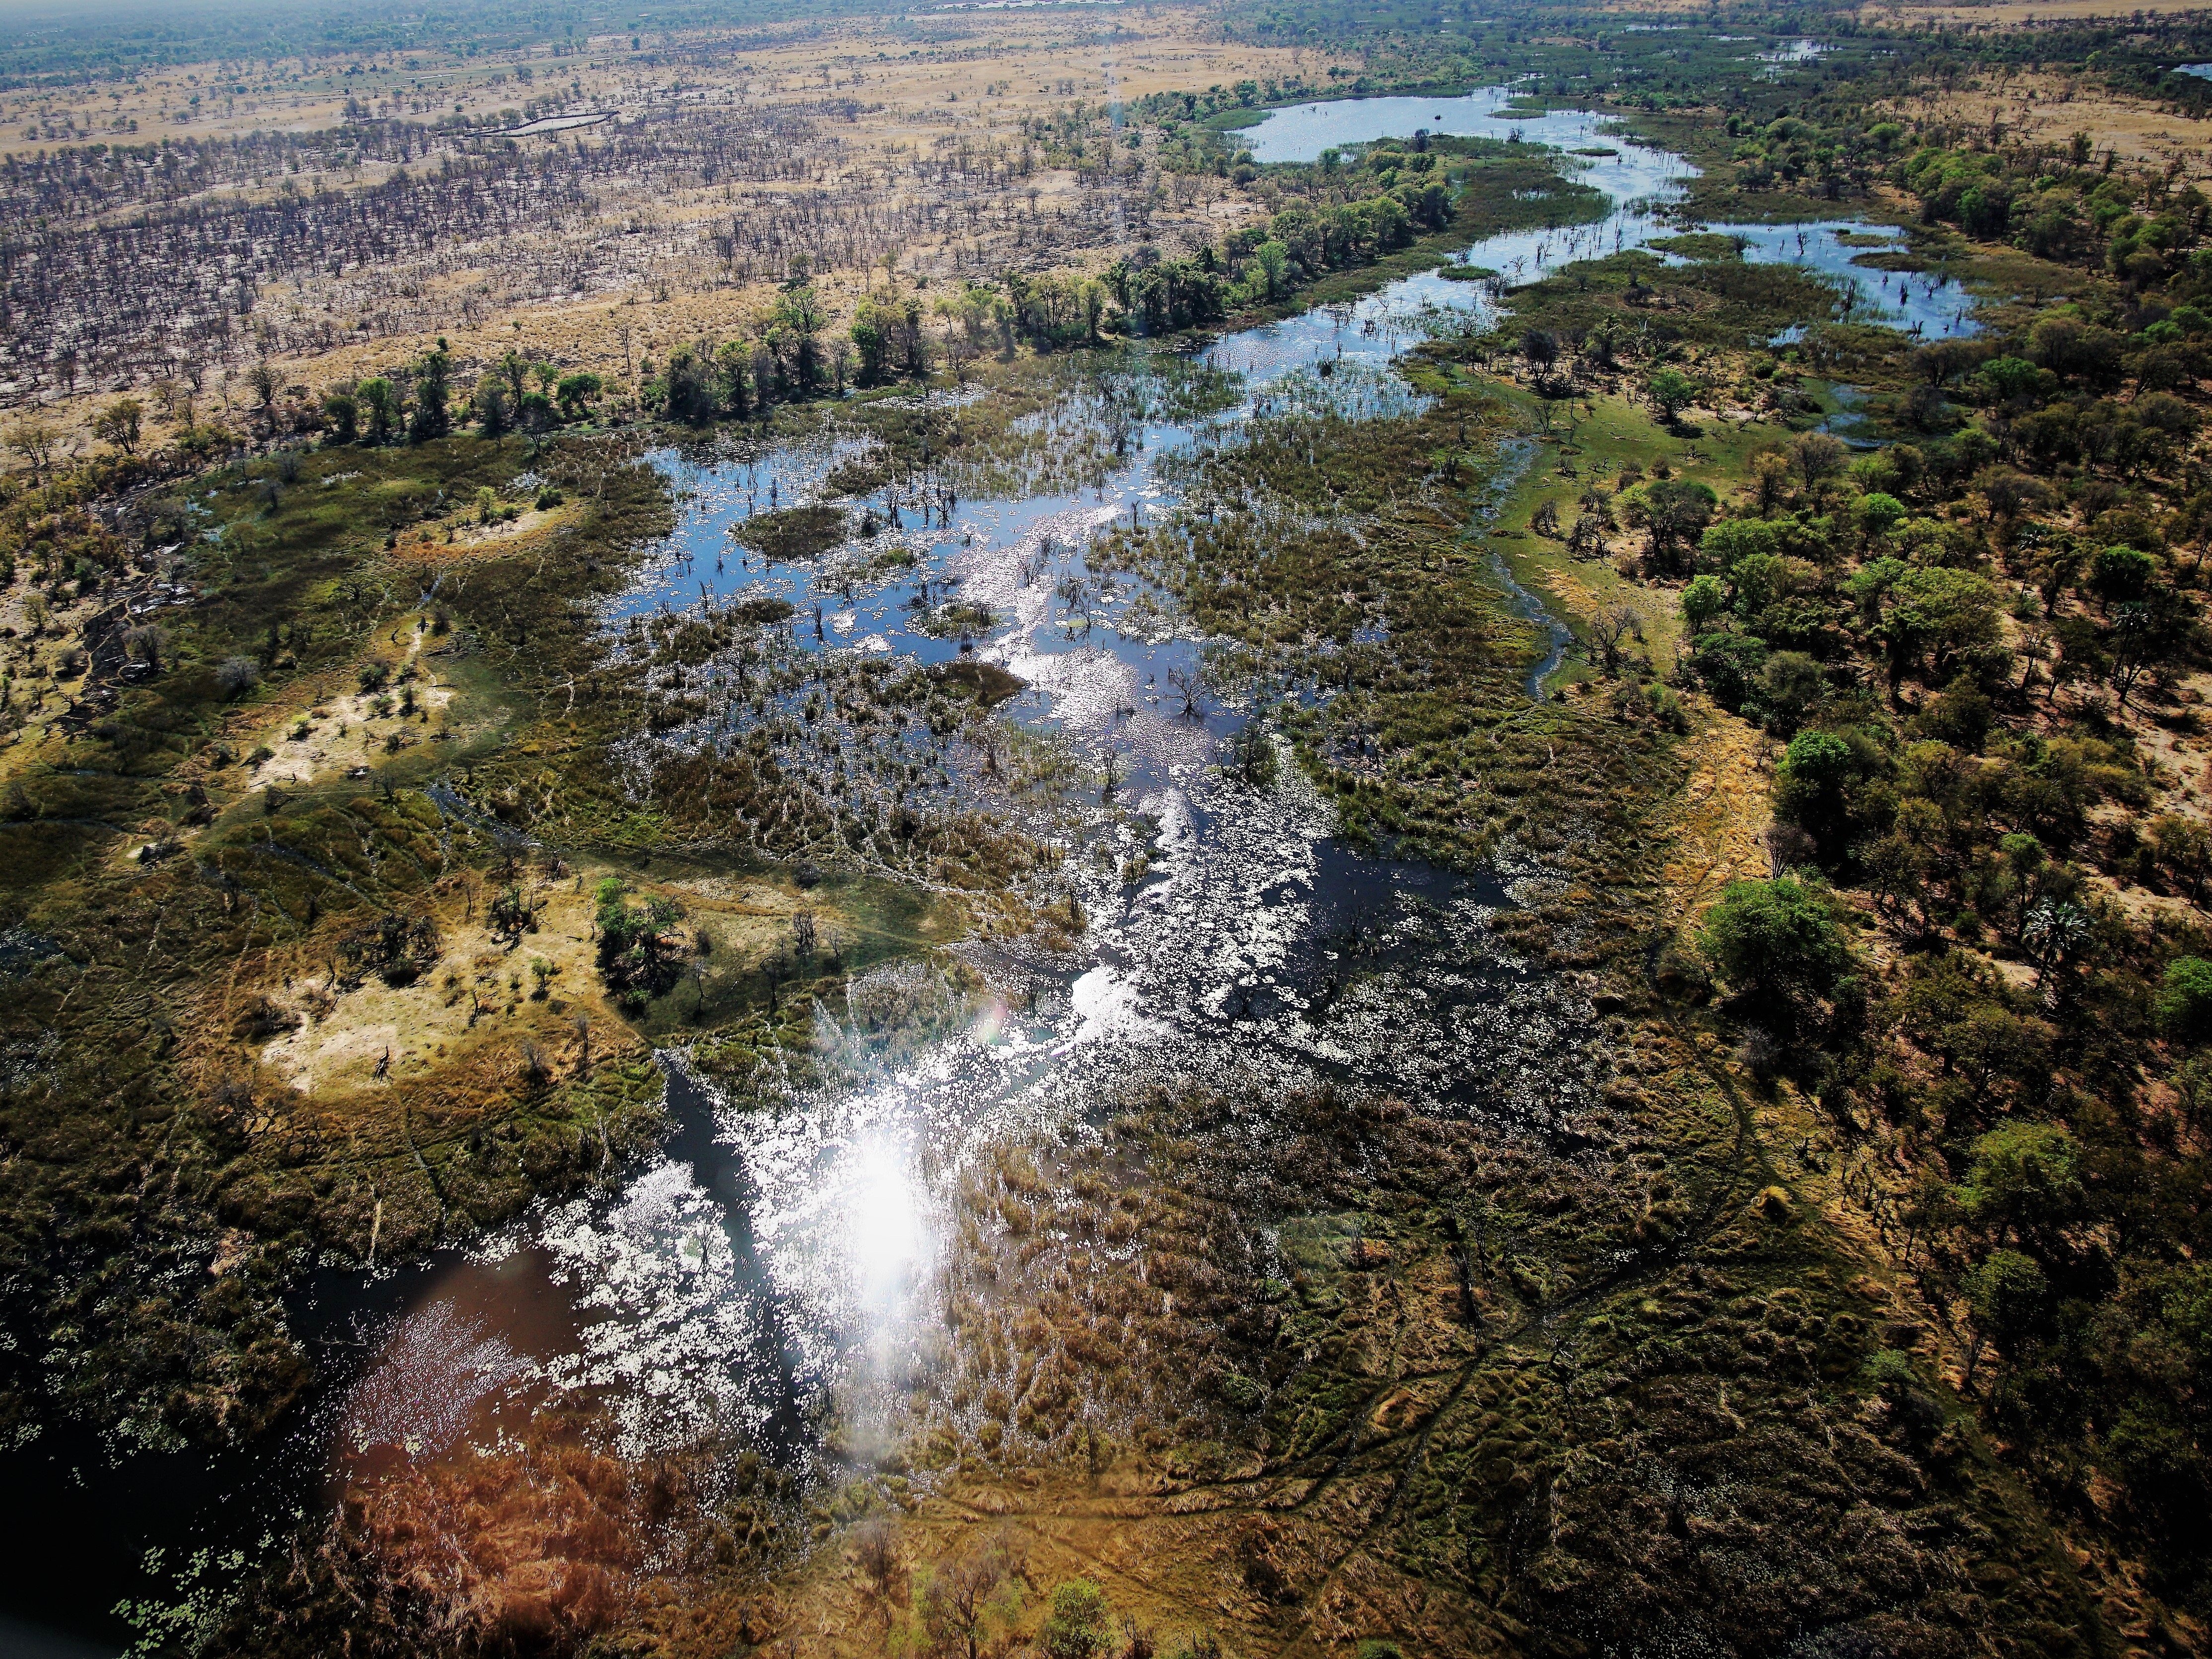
[774, 1257]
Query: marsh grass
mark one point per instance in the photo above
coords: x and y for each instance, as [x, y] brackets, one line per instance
[1520, 1367]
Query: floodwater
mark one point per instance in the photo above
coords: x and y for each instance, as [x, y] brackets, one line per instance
[1924, 305]
[768, 1268]
[1642, 183]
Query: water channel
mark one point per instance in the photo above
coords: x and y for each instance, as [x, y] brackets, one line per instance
[775, 1253]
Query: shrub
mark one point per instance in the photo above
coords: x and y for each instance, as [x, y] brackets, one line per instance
[235, 676]
[1077, 1627]
[1891, 1370]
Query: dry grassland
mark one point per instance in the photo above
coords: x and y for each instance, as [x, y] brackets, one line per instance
[2045, 109]
[2014, 13]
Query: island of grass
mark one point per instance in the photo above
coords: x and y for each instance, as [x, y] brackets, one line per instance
[793, 534]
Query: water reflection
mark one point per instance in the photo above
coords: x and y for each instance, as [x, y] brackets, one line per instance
[1644, 184]
[1913, 302]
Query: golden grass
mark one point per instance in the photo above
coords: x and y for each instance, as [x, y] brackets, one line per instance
[2013, 14]
[2047, 108]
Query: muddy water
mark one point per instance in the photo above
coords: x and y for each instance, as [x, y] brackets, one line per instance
[765, 1275]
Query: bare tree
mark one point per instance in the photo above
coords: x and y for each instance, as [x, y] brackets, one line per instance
[265, 379]
[959, 1592]
[146, 644]
[875, 1548]
[1075, 593]
[1186, 684]
[1609, 628]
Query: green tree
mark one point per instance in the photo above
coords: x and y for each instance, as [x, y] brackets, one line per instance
[2008, 378]
[2145, 634]
[494, 409]
[1777, 941]
[1812, 786]
[684, 388]
[1728, 665]
[1675, 513]
[2009, 1294]
[1723, 544]
[1671, 391]
[1936, 616]
[1760, 579]
[380, 402]
[1702, 599]
[640, 956]
[432, 417]
[343, 410]
[1080, 1624]
[734, 379]
[2025, 1181]
[2184, 846]
[575, 392]
[2121, 573]
[1880, 512]
[2159, 1461]
[872, 327]
[794, 331]
[1273, 260]
[512, 367]
[2185, 1000]
[1790, 686]
[118, 424]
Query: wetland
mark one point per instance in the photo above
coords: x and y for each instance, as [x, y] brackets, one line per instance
[1236, 952]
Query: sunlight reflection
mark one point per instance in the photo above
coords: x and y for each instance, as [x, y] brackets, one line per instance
[884, 1230]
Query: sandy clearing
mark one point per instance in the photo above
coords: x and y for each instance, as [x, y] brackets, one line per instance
[481, 991]
[322, 737]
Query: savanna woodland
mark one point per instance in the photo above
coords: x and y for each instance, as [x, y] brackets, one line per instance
[1372, 828]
